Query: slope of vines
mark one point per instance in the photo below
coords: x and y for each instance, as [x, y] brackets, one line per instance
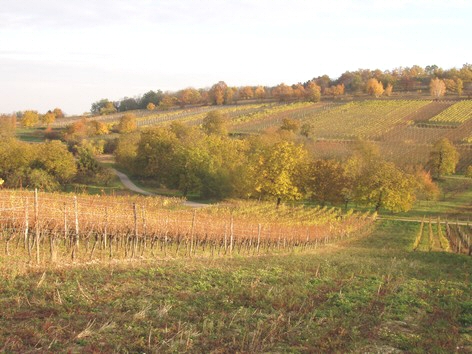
[455, 114]
[366, 119]
[47, 228]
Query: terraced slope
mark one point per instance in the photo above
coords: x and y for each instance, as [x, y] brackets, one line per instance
[366, 119]
[455, 114]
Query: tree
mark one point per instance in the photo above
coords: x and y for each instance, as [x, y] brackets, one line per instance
[156, 155]
[58, 113]
[246, 93]
[312, 92]
[7, 126]
[383, 185]
[126, 150]
[328, 182]
[468, 172]
[95, 127]
[388, 90]
[127, 123]
[282, 92]
[260, 92]
[30, 119]
[15, 161]
[128, 104]
[427, 189]
[54, 158]
[291, 125]
[298, 91]
[374, 87]
[102, 107]
[335, 90]
[151, 106]
[189, 96]
[274, 171]
[443, 158]
[217, 93]
[153, 97]
[437, 88]
[215, 123]
[168, 101]
[48, 118]
[459, 87]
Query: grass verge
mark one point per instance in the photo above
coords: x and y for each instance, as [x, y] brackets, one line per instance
[371, 294]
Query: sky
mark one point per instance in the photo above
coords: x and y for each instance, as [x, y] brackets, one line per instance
[69, 54]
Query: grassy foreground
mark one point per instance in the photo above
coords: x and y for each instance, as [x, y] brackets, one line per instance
[362, 295]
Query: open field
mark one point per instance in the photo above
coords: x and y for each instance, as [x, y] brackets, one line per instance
[367, 294]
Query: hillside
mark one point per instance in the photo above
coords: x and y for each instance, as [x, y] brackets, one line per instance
[368, 294]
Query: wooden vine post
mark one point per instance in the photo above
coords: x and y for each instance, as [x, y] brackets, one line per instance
[75, 246]
[36, 223]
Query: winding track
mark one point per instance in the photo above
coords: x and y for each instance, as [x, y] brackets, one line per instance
[132, 187]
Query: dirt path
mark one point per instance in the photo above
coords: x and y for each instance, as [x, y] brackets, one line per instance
[132, 187]
[129, 184]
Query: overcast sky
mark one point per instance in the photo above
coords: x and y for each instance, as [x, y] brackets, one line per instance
[69, 54]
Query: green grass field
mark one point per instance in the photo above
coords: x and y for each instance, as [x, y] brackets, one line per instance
[371, 294]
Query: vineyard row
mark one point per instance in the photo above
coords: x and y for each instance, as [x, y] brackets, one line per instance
[73, 229]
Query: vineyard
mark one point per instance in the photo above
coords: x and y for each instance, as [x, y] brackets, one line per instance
[446, 237]
[48, 228]
[367, 119]
[455, 114]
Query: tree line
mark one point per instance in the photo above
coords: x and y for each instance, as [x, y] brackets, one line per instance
[277, 165]
[363, 81]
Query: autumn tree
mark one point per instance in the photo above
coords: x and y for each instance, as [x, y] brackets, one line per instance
[437, 88]
[335, 90]
[215, 123]
[151, 106]
[126, 150]
[15, 162]
[95, 127]
[58, 113]
[30, 119]
[459, 87]
[290, 124]
[383, 185]
[443, 158]
[468, 172]
[260, 92]
[312, 92]
[153, 97]
[7, 126]
[388, 90]
[189, 96]
[374, 87]
[327, 181]
[274, 171]
[282, 92]
[167, 102]
[103, 107]
[217, 93]
[155, 154]
[48, 118]
[246, 93]
[127, 123]
[427, 188]
[76, 131]
[54, 158]
[298, 91]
